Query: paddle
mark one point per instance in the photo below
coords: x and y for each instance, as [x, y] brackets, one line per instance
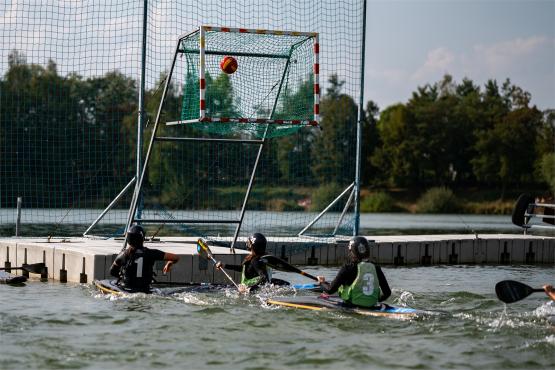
[510, 291]
[205, 252]
[279, 264]
[34, 268]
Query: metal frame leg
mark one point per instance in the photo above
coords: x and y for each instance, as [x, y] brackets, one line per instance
[112, 203]
[327, 209]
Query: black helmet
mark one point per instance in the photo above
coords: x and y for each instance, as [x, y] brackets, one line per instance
[257, 243]
[359, 248]
[136, 236]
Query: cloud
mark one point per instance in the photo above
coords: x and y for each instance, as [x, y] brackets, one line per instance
[485, 60]
[438, 60]
[527, 61]
[504, 55]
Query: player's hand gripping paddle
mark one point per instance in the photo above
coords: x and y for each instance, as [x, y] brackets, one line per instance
[279, 264]
[205, 252]
[510, 291]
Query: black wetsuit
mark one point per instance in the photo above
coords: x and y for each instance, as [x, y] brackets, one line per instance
[347, 275]
[254, 268]
[136, 270]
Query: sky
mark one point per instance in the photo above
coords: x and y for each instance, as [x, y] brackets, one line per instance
[413, 42]
[409, 43]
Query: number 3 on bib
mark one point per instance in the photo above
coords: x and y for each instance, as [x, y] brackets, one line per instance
[368, 286]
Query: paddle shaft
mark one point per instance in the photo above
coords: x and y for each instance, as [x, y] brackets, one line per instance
[222, 270]
[308, 275]
[208, 252]
[280, 264]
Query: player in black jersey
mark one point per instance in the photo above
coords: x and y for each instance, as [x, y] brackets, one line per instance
[134, 266]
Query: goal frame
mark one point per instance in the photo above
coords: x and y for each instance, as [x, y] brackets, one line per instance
[203, 51]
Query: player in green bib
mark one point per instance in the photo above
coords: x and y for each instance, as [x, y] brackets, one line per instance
[359, 282]
[254, 271]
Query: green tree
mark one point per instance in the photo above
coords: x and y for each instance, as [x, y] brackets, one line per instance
[65, 147]
[294, 152]
[505, 151]
[370, 142]
[397, 156]
[334, 147]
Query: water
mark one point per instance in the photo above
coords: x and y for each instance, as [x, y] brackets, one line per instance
[40, 222]
[54, 326]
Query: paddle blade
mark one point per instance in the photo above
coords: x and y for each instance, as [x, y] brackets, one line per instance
[34, 268]
[510, 291]
[203, 249]
[201, 252]
[519, 209]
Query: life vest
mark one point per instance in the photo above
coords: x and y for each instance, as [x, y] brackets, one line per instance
[137, 272]
[254, 280]
[365, 290]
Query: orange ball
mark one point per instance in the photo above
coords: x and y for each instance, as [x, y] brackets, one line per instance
[228, 65]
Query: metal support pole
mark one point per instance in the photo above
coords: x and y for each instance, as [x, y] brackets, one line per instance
[112, 203]
[247, 196]
[347, 205]
[142, 113]
[326, 209]
[258, 155]
[18, 220]
[359, 127]
[139, 185]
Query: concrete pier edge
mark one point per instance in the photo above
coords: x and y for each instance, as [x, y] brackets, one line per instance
[84, 260]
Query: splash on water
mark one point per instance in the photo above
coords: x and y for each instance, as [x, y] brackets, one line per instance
[405, 299]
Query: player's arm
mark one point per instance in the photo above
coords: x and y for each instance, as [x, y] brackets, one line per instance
[171, 260]
[116, 265]
[341, 278]
[384, 286]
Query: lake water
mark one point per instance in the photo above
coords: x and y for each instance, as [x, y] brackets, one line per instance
[71, 326]
[38, 222]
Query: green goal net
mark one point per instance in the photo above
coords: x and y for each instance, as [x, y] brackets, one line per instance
[274, 81]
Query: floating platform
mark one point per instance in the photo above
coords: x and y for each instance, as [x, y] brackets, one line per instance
[84, 260]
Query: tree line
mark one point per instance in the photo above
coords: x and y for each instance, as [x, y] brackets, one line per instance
[70, 141]
[460, 134]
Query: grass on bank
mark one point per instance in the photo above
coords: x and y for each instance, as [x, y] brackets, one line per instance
[441, 200]
[433, 200]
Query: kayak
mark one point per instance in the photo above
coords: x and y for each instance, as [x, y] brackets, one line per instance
[7, 278]
[108, 286]
[111, 287]
[323, 302]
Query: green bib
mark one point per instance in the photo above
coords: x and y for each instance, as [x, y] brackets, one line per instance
[255, 280]
[365, 290]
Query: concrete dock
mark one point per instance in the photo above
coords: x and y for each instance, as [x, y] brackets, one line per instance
[83, 259]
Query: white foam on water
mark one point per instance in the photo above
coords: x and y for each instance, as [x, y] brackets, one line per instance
[448, 301]
[406, 299]
[546, 309]
[550, 340]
